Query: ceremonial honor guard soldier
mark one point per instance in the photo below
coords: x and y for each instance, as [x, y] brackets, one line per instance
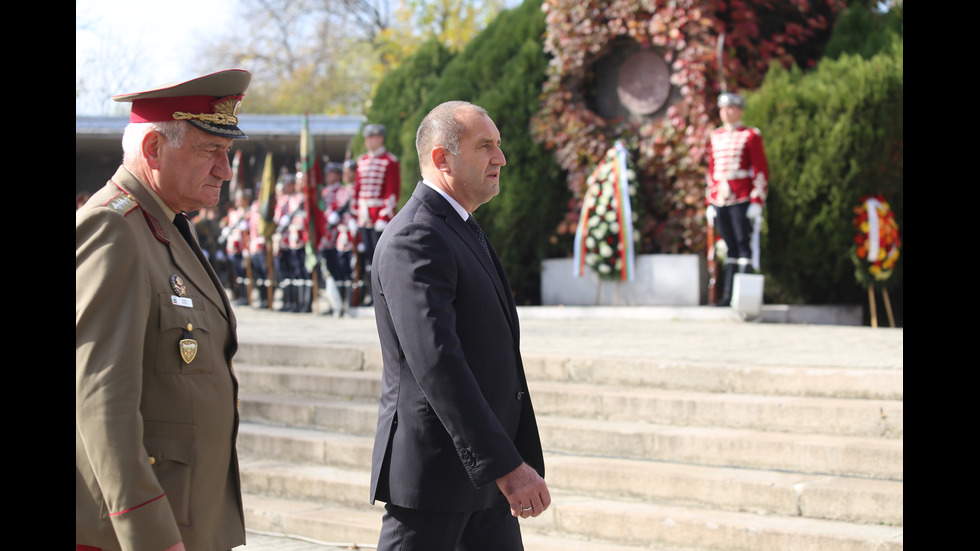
[377, 185]
[155, 394]
[738, 181]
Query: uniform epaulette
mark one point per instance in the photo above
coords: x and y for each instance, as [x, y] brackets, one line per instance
[122, 203]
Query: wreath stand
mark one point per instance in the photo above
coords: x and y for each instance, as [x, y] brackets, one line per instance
[874, 307]
[598, 292]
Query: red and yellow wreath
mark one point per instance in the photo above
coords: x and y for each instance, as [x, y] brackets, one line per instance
[877, 241]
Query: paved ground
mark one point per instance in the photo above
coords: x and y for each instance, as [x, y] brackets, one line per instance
[692, 335]
[696, 334]
[272, 542]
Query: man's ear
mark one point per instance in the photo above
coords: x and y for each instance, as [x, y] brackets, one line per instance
[440, 159]
[152, 143]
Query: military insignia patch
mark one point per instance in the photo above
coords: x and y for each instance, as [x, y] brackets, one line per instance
[177, 284]
[188, 350]
[188, 346]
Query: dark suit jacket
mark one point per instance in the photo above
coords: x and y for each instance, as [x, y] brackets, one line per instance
[454, 413]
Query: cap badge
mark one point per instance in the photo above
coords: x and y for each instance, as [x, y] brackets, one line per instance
[223, 111]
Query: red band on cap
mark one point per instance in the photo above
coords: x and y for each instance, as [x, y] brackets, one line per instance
[163, 109]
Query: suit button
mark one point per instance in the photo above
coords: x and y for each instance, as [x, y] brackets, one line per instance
[520, 395]
[153, 460]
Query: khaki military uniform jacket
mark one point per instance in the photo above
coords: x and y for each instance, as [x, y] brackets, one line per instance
[155, 458]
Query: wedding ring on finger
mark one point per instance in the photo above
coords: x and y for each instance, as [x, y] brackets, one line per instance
[526, 508]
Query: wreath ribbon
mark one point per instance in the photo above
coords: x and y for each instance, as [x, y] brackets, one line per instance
[617, 157]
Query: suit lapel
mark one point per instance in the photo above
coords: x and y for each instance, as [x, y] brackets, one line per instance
[438, 205]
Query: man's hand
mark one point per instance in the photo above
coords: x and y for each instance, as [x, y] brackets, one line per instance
[526, 491]
[709, 213]
[179, 546]
[754, 212]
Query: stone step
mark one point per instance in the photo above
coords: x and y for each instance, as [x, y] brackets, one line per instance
[304, 445]
[305, 381]
[320, 520]
[718, 446]
[800, 414]
[346, 358]
[873, 418]
[608, 523]
[855, 383]
[659, 444]
[686, 528]
[355, 417]
[764, 492]
[349, 528]
[328, 356]
[803, 453]
[306, 464]
[850, 382]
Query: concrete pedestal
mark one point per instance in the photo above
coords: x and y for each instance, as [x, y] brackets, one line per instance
[661, 280]
[747, 294]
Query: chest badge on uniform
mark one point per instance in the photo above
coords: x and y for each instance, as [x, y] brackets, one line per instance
[178, 286]
[188, 346]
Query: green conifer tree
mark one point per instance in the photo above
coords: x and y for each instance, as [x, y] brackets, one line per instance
[501, 69]
[398, 96]
[832, 136]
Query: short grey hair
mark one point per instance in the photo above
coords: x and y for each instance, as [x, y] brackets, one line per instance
[133, 136]
[442, 127]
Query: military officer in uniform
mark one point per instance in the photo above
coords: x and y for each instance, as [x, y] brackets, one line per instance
[738, 181]
[155, 394]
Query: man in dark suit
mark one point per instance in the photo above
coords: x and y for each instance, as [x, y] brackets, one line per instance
[457, 457]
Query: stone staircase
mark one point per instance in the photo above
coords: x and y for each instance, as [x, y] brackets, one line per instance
[640, 454]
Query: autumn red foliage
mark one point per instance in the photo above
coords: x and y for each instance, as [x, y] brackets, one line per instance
[668, 147]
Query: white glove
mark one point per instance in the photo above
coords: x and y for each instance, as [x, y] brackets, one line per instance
[333, 218]
[380, 225]
[710, 214]
[755, 212]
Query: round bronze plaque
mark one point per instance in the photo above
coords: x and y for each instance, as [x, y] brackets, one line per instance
[643, 83]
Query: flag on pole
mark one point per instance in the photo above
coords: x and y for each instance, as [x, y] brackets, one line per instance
[267, 202]
[311, 174]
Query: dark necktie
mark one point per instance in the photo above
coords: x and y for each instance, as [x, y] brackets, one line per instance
[482, 237]
[185, 231]
[184, 228]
